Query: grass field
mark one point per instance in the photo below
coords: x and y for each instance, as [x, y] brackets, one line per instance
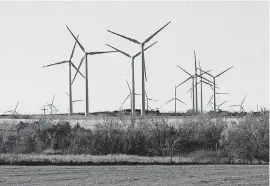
[136, 175]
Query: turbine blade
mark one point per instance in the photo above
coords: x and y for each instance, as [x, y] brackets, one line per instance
[243, 99]
[210, 99]
[128, 86]
[224, 71]
[144, 66]
[77, 101]
[56, 108]
[73, 49]
[184, 70]
[200, 66]
[193, 87]
[183, 82]
[53, 99]
[125, 100]
[207, 83]
[149, 38]
[168, 101]
[76, 39]
[102, 52]
[205, 79]
[211, 106]
[221, 93]
[128, 38]
[16, 106]
[222, 103]
[181, 101]
[67, 94]
[206, 72]
[78, 68]
[235, 105]
[58, 63]
[152, 99]
[192, 84]
[144, 49]
[119, 50]
[195, 60]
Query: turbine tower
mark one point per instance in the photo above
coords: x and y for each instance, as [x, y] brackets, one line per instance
[175, 99]
[86, 69]
[143, 61]
[69, 76]
[133, 76]
[129, 95]
[196, 87]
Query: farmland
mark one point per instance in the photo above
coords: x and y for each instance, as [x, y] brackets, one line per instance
[136, 175]
[90, 121]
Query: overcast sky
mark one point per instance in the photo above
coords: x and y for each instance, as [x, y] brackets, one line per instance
[223, 34]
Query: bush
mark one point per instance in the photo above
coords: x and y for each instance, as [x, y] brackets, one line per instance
[249, 139]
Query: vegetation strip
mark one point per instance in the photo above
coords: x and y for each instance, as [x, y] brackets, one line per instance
[204, 139]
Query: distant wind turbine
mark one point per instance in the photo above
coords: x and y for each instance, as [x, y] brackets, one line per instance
[147, 100]
[14, 112]
[129, 95]
[193, 85]
[214, 82]
[217, 105]
[175, 99]
[51, 106]
[241, 105]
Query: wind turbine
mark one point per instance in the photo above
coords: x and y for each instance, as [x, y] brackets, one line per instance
[143, 61]
[214, 82]
[14, 112]
[241, 105]
[51, 106]
[213, 96]
[217, 105]
[86, 69]
[175, 99]
[149, 99]
[132, 71]
[193, 85]
[69, 74]
[129, 95]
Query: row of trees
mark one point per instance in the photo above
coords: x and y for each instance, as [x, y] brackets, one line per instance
[246, 141]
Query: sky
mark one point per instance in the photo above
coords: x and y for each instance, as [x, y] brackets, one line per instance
[223, 34]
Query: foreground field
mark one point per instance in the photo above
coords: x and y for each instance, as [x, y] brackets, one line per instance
[136, 175]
